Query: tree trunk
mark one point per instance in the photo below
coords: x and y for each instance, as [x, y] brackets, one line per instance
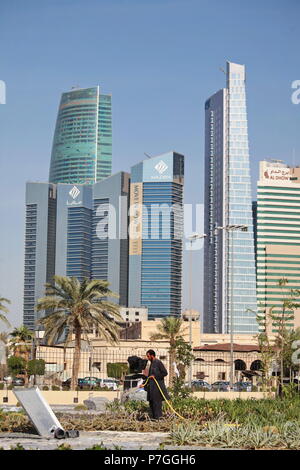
[76, 359]
[172, 356]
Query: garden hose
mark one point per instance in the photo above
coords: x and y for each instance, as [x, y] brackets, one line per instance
[162, 393]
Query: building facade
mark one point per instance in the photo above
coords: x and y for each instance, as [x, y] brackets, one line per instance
[40, 241]
[278, 240]
[76, 230]
[82, 143]
[134, 314]
[229, 256]
[155, 235]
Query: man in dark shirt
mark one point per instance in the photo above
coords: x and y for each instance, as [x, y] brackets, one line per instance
[158, 371]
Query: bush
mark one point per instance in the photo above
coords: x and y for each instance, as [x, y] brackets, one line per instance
[1, 386]
[179, 390]
[80, 408]
[36, 367]
[116, 369]
[55, 388]
[16, 365]
[45, 388]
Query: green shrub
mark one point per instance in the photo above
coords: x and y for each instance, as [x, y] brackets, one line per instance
[64, 447]
[80, 408]
[36, 367]
[45, 388]
[16, 365]
[97, 447]
[55, 388]
[116, 369]
[17, 447]
[1, 386]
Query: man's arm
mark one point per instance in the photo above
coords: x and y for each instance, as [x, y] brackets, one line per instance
[161, 371]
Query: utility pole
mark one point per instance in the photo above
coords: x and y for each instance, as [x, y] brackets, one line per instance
[192, 238]
[230, 229]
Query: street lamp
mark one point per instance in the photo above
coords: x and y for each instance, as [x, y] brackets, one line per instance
[192, 238]
[231, 228]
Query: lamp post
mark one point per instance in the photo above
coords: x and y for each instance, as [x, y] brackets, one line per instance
[192, 238]
[231, 228]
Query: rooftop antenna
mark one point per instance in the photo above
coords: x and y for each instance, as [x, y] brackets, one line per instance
[147, 155]
[222, 70]
[75, 87]
[293, 157]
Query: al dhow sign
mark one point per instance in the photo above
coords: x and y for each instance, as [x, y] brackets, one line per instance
[277, 174]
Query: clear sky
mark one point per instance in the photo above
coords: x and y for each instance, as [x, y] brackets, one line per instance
[160, 59]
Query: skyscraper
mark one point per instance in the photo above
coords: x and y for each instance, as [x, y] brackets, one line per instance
[82, 143]
[75, 230]
[155, 235]
[278, 238]
[229, 261]
[40, 234]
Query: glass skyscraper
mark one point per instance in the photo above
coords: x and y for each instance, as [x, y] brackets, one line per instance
[67, 233]
[82, 143]
[155, 235]
[229, 258]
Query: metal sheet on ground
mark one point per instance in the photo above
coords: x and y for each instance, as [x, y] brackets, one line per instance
[38, 410]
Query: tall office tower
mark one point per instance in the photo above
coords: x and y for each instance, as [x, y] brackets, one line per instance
[82, 143]
[278, 240]
[229, 261]
[155, 235]
[76, 230]
[40, 234]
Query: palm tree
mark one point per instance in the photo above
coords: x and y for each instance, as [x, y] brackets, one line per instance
[21, 344]
[21, 341]
[77, 307]
[4, 309]
[4, 355]
[170, 328]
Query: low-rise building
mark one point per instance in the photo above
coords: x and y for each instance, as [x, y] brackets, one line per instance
[211, 351]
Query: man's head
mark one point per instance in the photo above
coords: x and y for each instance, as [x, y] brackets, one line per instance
[150, 355]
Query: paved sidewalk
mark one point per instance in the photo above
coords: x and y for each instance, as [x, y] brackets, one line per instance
[126, 440]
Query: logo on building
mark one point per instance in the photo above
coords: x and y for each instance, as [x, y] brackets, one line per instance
[161, 167]
[74, 192]
[277, 174]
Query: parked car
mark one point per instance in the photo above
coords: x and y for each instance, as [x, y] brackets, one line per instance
[67, 383]
[220, 386]
[18, 382]
[109, 383]
[242, 386]
[201, 384]
[7, 379]
[88, 382]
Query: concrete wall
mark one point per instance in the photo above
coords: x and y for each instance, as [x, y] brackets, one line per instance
[61, 398]
[66, 398]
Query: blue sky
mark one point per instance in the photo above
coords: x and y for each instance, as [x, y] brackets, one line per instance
[160, 59]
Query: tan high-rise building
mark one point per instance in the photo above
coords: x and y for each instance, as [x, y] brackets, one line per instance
[278, 239]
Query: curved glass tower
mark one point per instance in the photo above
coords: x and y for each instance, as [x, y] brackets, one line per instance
[82, 144]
